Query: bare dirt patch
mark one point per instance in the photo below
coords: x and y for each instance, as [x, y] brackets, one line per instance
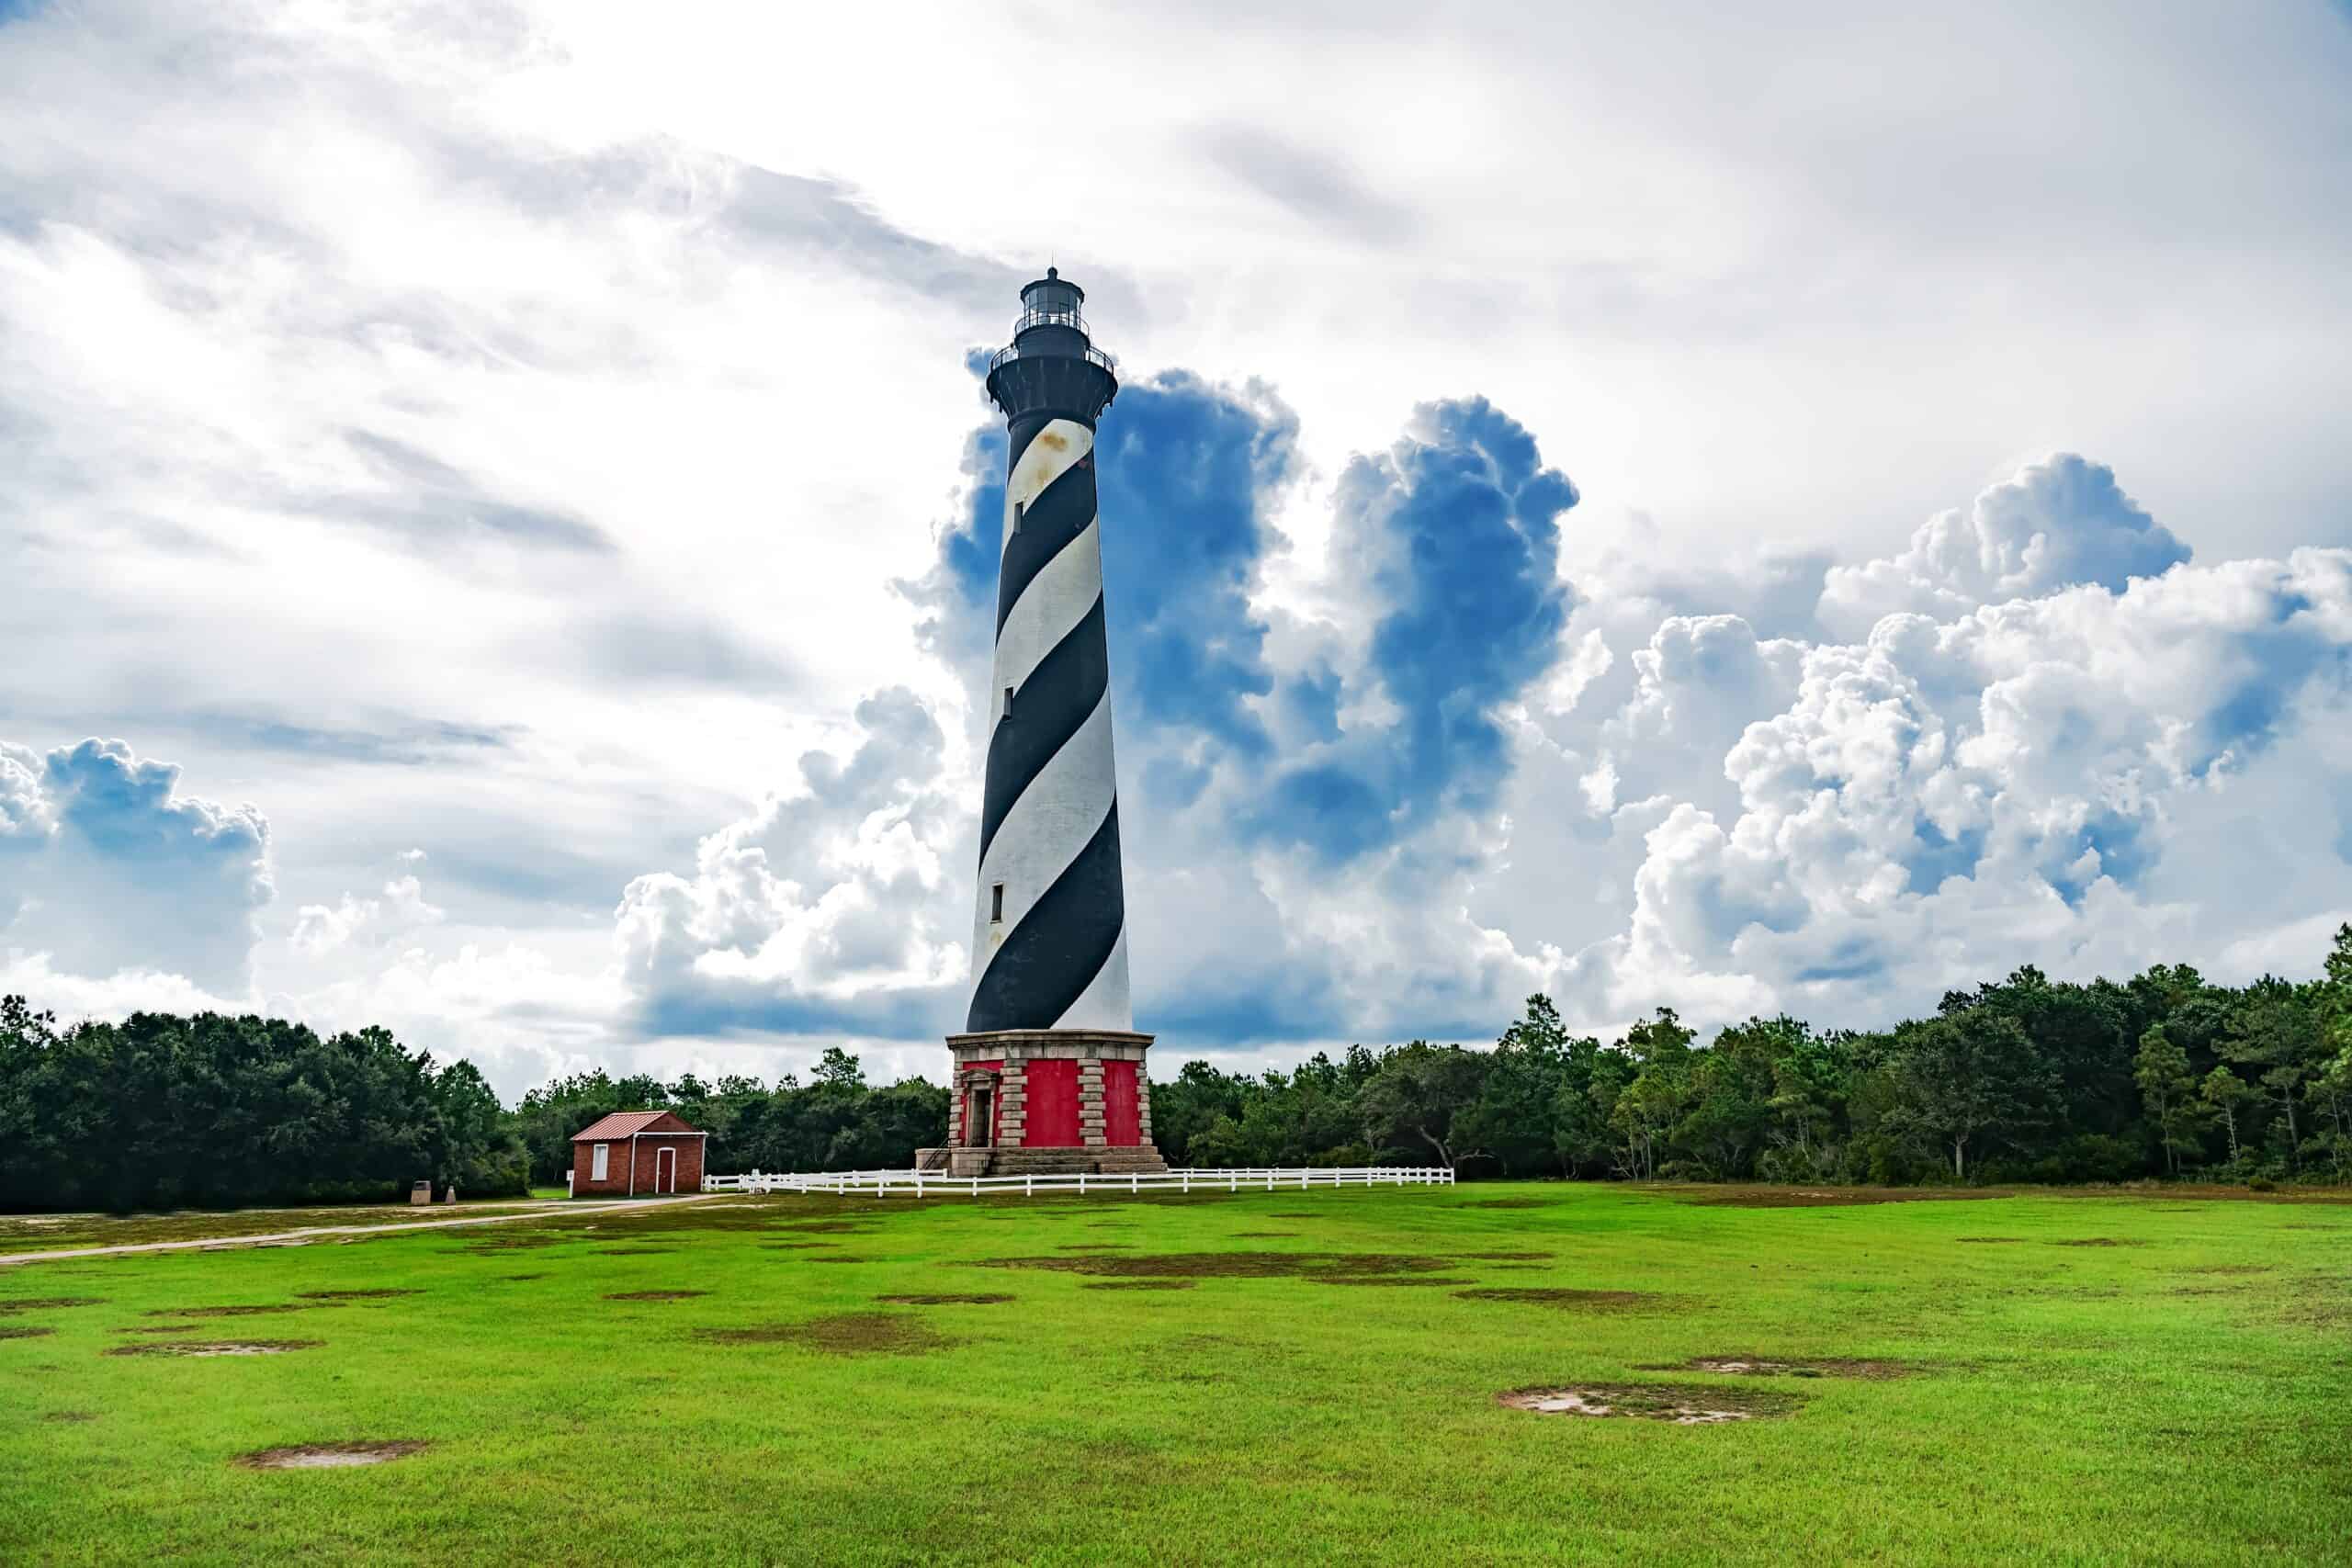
[1683, 1404]
[261, 1310]
[376, 1295]
[2233, 1269]
[23, 1331]
[216, 1348]
[1140, 1285]
[1819, 1197]
[1230, 1265]
[46, 1303]
[635, 1252]
[328, 1456]
[973, 1298]
[73, 1417]
[519, 1279]
[1259, 1235]
[1745, 1366]
[656, 1295]
[490, 1241]
[842, 1334]
[1095, 1246]
[1580, 1301]
[1990, 1240]
[2101, 1241]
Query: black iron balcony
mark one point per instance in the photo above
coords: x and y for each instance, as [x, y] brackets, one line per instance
[1093, 355]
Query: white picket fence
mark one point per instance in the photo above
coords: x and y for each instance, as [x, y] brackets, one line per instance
[939, 1184]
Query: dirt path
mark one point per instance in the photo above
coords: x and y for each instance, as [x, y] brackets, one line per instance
[310, 1232]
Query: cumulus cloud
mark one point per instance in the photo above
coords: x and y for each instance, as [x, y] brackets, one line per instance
[2053, 525]
[104, 866]
[831, 903]
[2026, 783]
[402, 908]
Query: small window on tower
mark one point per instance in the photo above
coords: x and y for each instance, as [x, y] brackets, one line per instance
[996, 905]
[1008, 701]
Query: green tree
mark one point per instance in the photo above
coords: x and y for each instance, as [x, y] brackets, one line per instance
[1515, 1118]
[1416, 1094]
[1966, 1077]
[2169, 1087]
[1810, 1083]
[2227, 1094]
[2277, 1038]
[1730, 1120]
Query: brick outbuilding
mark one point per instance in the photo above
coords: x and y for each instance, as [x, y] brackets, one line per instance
[634, 1154]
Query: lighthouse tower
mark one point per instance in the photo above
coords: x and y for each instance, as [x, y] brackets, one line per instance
[1049, 1072]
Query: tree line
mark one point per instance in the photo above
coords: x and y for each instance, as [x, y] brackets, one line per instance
[2027, 1079]
[161, 1111]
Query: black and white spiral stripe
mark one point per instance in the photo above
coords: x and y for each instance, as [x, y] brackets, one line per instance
[1057, 958]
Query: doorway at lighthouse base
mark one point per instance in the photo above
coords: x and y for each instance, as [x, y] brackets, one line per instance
[1034, 1102]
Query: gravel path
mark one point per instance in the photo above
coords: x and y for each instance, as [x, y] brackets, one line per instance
[311, 1233]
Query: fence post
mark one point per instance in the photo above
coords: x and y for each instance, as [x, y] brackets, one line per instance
[1188, 1181]
[1081, 1184]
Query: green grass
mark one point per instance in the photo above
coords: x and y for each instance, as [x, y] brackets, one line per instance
[2185, 1397]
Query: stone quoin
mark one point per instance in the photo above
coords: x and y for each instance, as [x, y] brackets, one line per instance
[1049, 1074]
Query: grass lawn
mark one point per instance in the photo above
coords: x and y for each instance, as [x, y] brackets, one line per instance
[1268, 1377]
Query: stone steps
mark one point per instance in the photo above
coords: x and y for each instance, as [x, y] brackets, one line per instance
[1072, 1162]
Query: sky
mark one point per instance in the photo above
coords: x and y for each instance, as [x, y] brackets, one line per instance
[1747, 510]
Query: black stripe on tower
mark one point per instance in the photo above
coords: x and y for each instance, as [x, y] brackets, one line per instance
[1060, 945]
[1058, 697]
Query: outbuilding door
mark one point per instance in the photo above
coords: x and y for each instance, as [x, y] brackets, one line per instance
[665, 1170]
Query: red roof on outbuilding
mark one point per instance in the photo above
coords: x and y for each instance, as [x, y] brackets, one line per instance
[628, 1123]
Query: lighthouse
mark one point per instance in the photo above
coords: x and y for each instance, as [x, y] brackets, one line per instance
[1049, 1071]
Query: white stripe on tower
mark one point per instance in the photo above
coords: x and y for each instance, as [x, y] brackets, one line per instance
[1048, 611]
[1045, 829]
[1105, 1004]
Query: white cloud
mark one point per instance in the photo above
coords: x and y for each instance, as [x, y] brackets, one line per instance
[107, 867]
[321, 928]
[838, 893]
[2055, 524]
[2050, 780]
